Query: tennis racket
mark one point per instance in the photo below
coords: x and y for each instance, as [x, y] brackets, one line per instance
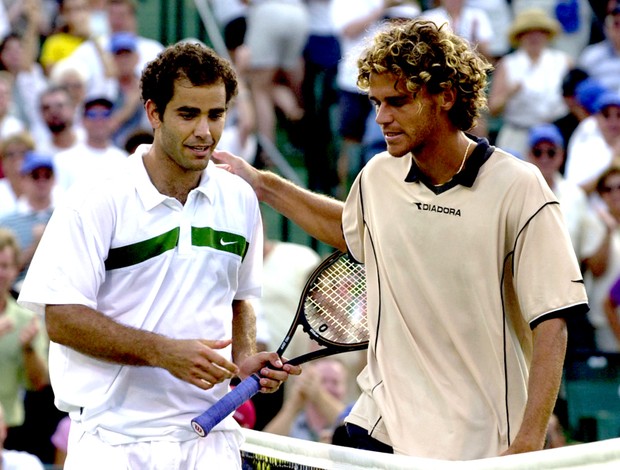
[331, 310]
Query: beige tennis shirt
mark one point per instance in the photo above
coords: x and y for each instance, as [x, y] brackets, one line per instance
[457, 278]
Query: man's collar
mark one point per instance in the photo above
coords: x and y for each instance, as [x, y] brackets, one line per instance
[466, 177]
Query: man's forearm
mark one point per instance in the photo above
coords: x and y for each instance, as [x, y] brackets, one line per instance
[544, 383]
[35, 367]
[94, 334]
[243, 331]
[317, 214]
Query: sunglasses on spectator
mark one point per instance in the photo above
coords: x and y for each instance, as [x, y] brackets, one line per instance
[98, 113]
[610, 111]
[43, 173]
[609, 189]
[540, 152]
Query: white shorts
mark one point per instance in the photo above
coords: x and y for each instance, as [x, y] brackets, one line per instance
[217, 450]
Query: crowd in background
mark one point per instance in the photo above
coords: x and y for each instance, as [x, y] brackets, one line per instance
[70, 109]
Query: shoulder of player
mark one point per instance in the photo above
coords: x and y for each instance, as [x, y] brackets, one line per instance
[101, 189]
[511, 172]
[228, 181]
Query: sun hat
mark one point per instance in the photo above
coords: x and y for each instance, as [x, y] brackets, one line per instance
[532, 19]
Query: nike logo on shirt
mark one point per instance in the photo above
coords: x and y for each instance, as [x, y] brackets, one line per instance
[224, 243]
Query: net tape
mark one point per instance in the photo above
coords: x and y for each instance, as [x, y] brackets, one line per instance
[264, 451]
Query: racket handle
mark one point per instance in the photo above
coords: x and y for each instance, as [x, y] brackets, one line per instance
[246, 389]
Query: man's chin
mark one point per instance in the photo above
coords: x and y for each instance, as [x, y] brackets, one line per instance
[397, 152]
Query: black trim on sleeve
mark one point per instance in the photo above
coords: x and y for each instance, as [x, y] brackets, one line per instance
[580, 309]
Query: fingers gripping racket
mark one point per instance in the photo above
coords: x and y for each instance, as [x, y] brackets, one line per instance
[331, 310]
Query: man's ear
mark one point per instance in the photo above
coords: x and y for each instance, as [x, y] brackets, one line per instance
[447, 98]
[152, 114]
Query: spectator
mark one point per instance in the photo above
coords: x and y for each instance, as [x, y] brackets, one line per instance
[527, 85]
[128, 114]
[96, 155]
[590, 153]
[23, 344]
[94, 56]
[58, 113]
[602, 60]
[598, 286]
[12, 151]
[276, 34]
[231, 16]
[321, 57]
[67, 74]
[468, 22]
[574, 16]
[29, 220]
[576, 112]
[9, 124]
[18, 56]
[12, 459]
[73, 31]
[587, 92]
[316, 401]
[99, 22]
[499, 13]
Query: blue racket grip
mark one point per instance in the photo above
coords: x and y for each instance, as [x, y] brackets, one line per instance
[246, 389]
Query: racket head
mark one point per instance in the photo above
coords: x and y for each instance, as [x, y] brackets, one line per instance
[332, 308]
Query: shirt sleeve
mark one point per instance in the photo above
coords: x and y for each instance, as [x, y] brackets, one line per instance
[68, 266]
[545, 268]
[353, 220]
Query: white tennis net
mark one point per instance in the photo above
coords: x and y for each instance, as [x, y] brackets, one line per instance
[265, 451]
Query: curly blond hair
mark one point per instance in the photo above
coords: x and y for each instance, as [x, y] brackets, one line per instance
[421, 54]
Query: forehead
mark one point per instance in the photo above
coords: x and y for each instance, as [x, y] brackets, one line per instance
[544, 142]
[7, 254]
[198, 96]
[386, 81]
[612, 178]
[55, 97]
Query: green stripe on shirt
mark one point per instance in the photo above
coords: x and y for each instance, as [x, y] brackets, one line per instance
[129, 255]
[135, 253]
[223, 241]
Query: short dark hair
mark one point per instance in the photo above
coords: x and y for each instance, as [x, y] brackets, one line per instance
[191, 61]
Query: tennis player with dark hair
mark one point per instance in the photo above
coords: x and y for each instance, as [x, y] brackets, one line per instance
[470, 269]
[145, 279]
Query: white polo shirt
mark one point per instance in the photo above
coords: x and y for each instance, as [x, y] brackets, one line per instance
[119, 246]
[457, 276]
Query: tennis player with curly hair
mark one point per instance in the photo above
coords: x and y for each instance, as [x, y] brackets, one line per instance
[470, 267]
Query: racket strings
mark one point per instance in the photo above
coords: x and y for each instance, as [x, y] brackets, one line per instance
[336, 304]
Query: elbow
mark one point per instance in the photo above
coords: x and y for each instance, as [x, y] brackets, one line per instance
[53, 324]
